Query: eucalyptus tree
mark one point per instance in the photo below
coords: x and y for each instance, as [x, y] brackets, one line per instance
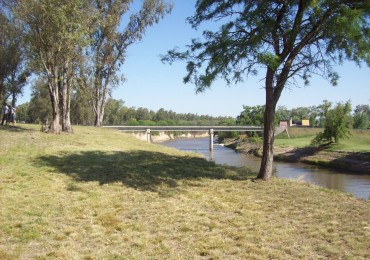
[13, 71]
[116, 29]
[287, 39]
[56, 31]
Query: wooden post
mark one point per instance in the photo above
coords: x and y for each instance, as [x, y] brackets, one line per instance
[211, 139]
[148, 137]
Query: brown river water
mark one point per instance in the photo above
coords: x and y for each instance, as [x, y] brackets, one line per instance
[358, 185]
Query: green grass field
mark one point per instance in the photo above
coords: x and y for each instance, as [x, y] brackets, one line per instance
[359, 141]
[101, 194]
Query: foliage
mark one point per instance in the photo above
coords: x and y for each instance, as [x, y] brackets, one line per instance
[22, 113]
[13, 71]
[110, 39]
[251, 116]
[55, 32]
[362, 117]
[81, 108]
[39, 109]
[288, 39]
[338, 123]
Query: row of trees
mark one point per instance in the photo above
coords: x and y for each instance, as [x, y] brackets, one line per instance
[253, 115]
[37, 110]
[74, 46]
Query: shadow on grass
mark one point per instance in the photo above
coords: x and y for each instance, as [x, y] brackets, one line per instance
[143, 170]
[10, 128]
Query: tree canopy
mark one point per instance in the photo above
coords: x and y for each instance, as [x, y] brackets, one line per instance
[287, 39]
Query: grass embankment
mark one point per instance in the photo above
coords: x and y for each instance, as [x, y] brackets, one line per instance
[101, 194]
[359, 140]
[351, 155]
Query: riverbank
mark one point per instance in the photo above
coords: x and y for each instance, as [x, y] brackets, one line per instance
[102, 194]
[298, 149]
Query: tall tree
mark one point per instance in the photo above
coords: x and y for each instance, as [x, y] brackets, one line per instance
[56, 32]
[288, 39]
[111, 38]
[13, 72]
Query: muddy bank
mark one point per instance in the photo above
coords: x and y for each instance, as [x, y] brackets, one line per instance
[358, 163]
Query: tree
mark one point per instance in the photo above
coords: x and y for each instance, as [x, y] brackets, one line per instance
[111, 40]
[13, 72]
[39, 109]
[362, 117]
[251, 116]
[114, 112]
[56, 31]
[300, 113]
[81, 107]
[282, 113]
[288, 39]
[338, 123]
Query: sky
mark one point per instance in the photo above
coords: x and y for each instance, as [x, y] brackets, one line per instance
[154, 85]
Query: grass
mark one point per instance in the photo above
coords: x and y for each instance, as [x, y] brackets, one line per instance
[101, 194]
[359, 141]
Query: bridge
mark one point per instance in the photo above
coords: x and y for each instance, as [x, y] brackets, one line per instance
[210, 129]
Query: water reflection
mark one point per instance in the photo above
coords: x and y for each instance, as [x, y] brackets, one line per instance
[359, 185]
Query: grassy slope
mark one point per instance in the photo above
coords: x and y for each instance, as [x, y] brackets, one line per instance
[102, 194]
[359, 141]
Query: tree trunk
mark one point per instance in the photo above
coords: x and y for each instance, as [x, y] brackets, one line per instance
[266, 169]
[99, 113]
[65, 104]
[100, 100]
[97, 121]
[54, 97]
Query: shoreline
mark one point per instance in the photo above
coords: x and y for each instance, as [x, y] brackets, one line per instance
[354, 162]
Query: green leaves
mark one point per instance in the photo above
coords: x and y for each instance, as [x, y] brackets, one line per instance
[338, 124]
[269, 60]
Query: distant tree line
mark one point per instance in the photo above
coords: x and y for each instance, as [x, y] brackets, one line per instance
[253, 115]
[38, 111]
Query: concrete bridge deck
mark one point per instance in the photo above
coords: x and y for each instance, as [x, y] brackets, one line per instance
[209, 129]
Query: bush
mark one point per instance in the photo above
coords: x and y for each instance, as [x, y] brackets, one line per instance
[338, 124]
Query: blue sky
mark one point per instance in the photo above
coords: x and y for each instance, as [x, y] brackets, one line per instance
[153, 85]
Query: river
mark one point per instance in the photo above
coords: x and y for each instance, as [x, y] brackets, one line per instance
[358, 185]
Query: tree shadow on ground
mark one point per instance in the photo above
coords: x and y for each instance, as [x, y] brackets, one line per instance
[143, 170]
[10, 128]
[297, 154]
[354, 162]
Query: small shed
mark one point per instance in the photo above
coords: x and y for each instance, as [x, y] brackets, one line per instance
[285, 123]
[305, 122]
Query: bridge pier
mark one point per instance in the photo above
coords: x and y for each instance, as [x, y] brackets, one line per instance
[148, 135]
[211, 139]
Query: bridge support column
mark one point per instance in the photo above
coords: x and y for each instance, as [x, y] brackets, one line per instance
[148, 135]
[211, 139]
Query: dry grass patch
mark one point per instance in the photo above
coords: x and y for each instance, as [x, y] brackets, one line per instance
[100, 194]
